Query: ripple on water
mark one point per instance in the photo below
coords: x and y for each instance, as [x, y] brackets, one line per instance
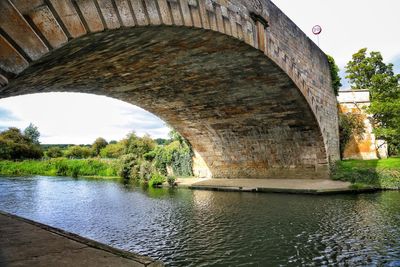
[203, 228]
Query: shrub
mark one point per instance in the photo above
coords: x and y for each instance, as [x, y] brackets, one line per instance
[78, 152]
[112, 151]
[74, 171]
[177, 155]
[15, 146]
[335, 77]
[54, 152]
[61, 167]
[127, 166]
[98, 145]
[146, 171]
[139, 145]
[182, 162]
[171, 180]
[156, 180]
[350, 126]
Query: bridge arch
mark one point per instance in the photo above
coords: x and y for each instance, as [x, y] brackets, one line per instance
[237, 78]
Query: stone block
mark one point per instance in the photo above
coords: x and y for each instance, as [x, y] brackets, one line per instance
[109, 14]
[10, 59]
[44, 20]
[68, 15]
[91, 15]
[13, 23]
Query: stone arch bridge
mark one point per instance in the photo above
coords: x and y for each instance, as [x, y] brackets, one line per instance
[237, 78]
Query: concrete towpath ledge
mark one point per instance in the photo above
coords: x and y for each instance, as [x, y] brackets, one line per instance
[300, 186]
[27, 243]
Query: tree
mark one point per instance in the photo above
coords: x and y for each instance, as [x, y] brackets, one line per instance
[129, 166]
[16, 146]
[178, 155]
[98, 145]
[370, 72]
[54, 152]
[139, 146]
[334, 69]
[174, 135]
[362, 68]
[385, 107]
[162, 141]
[78, 152]
[32, 133]
[113, 150]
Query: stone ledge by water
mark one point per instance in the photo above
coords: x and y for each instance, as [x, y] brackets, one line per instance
[25, 242]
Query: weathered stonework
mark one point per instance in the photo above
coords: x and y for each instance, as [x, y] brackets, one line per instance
[365, 146]
[237, 78]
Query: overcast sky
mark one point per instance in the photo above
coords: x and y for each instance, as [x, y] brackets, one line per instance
[347, 26]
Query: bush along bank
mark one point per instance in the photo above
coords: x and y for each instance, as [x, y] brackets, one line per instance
[90, 168]
[138, 159]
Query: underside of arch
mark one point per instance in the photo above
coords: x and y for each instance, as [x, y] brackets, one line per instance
[240, 111]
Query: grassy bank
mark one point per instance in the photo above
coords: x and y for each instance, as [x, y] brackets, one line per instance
[61, 167]
[383, 173]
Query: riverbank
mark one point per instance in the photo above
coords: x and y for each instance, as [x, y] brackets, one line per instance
[369, 174]
[356, 175]
[27, 243]
[61, 167]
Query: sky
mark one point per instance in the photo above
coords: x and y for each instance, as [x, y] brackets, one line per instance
[347, 26]
[72, 118]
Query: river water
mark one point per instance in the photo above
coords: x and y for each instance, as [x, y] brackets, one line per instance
[202, 228]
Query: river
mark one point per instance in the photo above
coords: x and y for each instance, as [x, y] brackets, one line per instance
[203, 228]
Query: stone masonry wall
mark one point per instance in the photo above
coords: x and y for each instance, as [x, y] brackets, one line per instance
[278, 117]
[365, 146]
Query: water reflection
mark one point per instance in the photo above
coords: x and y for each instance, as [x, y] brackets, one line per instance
[203, 228]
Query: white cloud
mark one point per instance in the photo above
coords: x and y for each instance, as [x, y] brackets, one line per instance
[80, 118]
[349, 25]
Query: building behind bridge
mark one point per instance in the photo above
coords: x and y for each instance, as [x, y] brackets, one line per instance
[367, 146]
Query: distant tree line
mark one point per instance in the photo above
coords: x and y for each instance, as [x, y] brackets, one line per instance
[140, 158]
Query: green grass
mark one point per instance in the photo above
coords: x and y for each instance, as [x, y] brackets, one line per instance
[388, 164]
[61, 167]
[383, 173]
